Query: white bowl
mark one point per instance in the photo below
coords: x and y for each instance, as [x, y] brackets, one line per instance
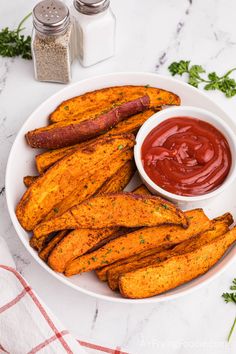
[185, 111]
[21, 163]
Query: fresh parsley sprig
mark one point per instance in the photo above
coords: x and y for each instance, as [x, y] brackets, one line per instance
[231, 297]
[224, 83]
[13, 43]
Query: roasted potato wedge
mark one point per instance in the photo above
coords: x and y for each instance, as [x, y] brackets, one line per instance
[121, 209]
[179, 269]
[216, 228]
[117, 177]
[79, 241]
[28, 180]
[64, 177]
[163, 236]
[117, 182]
[92, 104]
[130, 125]
[54, 137]
[47, 249]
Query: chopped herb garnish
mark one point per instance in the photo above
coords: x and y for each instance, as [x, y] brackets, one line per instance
[94, 259]
[55, 210]
[141, 239]
[147, 86]
[66, 108]
[164, 206]
[104, 262]
[120, 147]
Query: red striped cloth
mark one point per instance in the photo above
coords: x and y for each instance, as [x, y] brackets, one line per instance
[27, 325]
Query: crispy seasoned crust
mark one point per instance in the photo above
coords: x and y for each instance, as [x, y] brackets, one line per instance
[121, 209]
[54, 137]
[80, 241]
[64, 177]
[47, 249]
[138, 241]
[92, 104]
[28, 180]
[205, 232]
[176, 270]
[131, 125]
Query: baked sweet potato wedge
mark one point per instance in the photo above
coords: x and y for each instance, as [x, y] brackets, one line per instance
[160, 237]
[117, 174]
[179, 269]
[64, 177]
[53, 137]
[79, 241]
[94, 103]
[131, 125]
[47, 249]
[117, 182]
[122, 165]
[121, 209]
[28, 180]
[216, 228]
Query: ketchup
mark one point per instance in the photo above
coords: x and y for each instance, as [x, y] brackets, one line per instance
[186, 156]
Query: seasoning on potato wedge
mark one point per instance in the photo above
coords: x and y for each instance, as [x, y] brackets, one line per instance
[79, 241]
[160, 237]
[130, 125]
[53, 136]
[216, 228]
[178, 269]
[94, 103]
[122, 209]
[62, 179]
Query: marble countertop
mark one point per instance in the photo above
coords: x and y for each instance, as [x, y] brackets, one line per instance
[150, 35]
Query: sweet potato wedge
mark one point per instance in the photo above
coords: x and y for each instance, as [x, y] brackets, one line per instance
[47, 249]
[122, 209]
[161, 237]
[62, 178]
[122, 165]
[79, 241]
[117, 174]
[96, 102]
[131, 125]
[120, 179]
[28, 180]
[75, 244]
[216, 228]
[52, 137]
[179, 269]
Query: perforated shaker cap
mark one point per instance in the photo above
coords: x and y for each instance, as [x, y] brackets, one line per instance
[91, 7]
[51, 17]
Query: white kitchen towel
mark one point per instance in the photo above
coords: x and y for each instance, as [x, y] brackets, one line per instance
[26, 324]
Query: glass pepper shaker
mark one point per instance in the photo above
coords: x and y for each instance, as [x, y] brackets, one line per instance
[95, 30]
[52, 41]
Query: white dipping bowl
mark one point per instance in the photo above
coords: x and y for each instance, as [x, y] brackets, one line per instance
[185, 202]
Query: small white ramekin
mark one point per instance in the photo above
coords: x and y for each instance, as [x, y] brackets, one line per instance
[194, 112]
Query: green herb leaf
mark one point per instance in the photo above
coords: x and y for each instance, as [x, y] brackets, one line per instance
[120, 147]
[224, 83]
[13, 44]
[231, 297]
[179, 68]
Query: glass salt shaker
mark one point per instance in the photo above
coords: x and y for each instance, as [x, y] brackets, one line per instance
[95, 30]
[52, 41]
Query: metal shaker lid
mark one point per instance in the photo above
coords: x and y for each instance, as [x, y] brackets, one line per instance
[91, 7]
[51, 17]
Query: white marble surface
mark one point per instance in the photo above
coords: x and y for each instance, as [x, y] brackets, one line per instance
[150, 35]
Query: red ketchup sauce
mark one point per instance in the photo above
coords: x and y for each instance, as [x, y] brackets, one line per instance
[186, 156]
